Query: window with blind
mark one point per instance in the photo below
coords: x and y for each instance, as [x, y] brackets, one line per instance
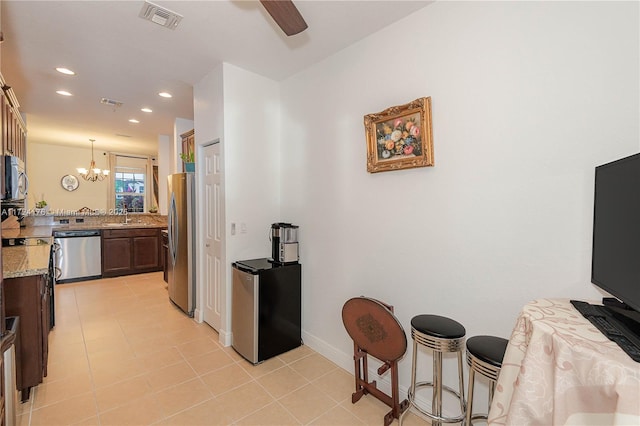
[130, 180]
[130, 189]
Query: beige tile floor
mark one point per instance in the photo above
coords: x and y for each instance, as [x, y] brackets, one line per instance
[122, 354]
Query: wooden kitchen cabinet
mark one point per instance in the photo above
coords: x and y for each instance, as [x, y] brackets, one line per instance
[146, 252]
[4, 344]
[2, 395]
[116, 256]
[28, 298]
[14, 135]
[131, 251]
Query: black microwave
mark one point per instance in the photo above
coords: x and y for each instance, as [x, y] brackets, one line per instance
[15, 183]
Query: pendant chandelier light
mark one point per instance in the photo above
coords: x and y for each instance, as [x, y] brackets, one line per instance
[93, 173]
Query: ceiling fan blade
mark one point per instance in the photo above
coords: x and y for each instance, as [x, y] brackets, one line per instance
[286, 15]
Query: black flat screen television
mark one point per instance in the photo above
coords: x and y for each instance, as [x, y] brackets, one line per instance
[615, 263]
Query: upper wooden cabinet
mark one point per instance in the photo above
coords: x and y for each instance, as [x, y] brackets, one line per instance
[14, 134]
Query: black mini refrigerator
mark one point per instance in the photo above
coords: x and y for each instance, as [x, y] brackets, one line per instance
[265, 308]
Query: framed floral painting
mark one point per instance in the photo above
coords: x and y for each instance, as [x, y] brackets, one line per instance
[400, 137]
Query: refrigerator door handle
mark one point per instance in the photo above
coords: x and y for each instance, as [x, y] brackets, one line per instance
[169, 226]
[58, 257]
[172, 229]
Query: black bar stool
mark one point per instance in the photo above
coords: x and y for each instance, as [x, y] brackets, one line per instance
[440, 334]
[484, 356]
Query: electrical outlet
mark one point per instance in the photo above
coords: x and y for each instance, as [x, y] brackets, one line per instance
[243, 228]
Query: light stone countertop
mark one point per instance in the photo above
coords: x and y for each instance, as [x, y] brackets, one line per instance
[28, 232]
[24, 261]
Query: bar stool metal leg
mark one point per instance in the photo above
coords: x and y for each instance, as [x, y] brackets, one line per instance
[437, 386]
[412, 388]
[469, 410]
[463, 402]
[413, 369]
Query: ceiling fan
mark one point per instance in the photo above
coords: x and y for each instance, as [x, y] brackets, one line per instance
[286, 15]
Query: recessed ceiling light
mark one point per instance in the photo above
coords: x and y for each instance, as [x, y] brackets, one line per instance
[133, 120]
[165, 94]
[146, 110]
[63, 93]
[66, 71]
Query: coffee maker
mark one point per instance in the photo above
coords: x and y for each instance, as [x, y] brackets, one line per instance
[284, 243]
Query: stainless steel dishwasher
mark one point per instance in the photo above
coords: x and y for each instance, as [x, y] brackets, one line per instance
[79, 255]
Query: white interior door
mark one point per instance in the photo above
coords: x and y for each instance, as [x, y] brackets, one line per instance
[213, 236]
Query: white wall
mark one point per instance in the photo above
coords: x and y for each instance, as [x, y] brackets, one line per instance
[208, 114]
[241, 109]
[164, 170]
[527, 98]
[251, 152]
[45, 175]
[251, 156]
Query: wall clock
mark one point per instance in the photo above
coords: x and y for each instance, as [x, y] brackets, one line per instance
[69, 182]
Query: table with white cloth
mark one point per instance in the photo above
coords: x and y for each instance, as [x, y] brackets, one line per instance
[560, 370]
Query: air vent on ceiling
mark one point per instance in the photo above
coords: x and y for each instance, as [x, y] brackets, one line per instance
[159, 15]
[111, 102]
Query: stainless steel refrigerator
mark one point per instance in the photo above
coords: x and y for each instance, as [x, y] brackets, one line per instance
[181, 233]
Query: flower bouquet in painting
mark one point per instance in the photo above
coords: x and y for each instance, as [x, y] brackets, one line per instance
[399, 137]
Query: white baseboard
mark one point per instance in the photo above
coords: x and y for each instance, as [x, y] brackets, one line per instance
[224, 338]
[343, 360]
[198, 316]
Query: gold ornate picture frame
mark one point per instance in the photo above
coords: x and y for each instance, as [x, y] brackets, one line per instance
[400, 137]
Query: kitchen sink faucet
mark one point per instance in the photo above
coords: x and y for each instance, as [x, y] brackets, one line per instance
[127, 219]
